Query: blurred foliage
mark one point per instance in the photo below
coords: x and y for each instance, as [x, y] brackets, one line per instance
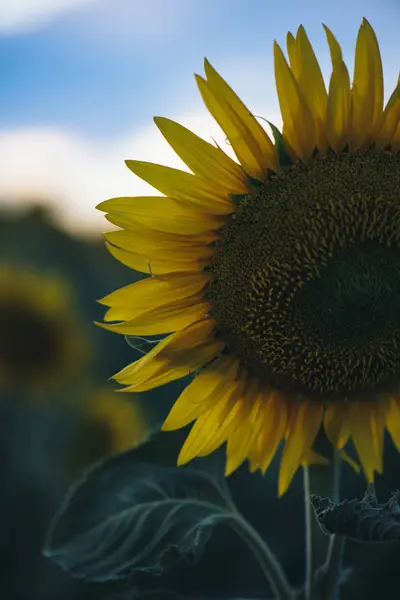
[44, 445]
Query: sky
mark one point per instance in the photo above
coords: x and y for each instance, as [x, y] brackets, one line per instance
[83, 79]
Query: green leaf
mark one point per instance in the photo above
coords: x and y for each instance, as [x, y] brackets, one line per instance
[124, 516]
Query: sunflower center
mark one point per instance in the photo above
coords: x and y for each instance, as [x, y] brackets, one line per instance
[306, 286]
[356, 298]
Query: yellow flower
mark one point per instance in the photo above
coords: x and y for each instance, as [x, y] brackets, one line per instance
[41, 347]
[117, 422]
[278, 278]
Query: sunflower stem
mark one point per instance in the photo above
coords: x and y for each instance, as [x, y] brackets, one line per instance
[327, 578]
[271, 567]
[323, 481]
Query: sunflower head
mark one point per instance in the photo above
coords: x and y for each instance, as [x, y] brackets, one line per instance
[41, 346]
[276, 275]
[114, 423]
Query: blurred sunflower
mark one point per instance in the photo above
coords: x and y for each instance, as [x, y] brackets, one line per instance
[110, 424]
[41, 346]
[279, 276]
[121, 422]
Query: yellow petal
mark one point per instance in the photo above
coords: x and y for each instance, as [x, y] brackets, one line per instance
[298, 123]
[378, 428]
[156, 291]
[353, 464]
[377, 74]
[274, 423]
[365, 426]
[203, 393]
[199, 193]
[309, 78]
[245, 147]
[367, 90]
[260, 139]
[305, 422]
[162, 319]
[205, 435]
[163, 214]
[241, 440]
[187, 363]
[228, 421]
[334, 46]
[125, 221]
[292, 53]
[336, 422]
[178, 355]
[338, 112]
[151, 250]
[392, 418]
[204, 159]
[155, 265]
[313, 458]
[390, 120]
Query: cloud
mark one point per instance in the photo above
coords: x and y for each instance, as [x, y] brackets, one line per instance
[127, 20]
[21, 15]
[72, 174]
[116, 19]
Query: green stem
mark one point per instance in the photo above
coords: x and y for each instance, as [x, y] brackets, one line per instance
[327, 576]
[271, 567]
[323, 481]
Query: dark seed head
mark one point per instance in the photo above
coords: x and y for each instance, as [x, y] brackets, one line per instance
[307, 277]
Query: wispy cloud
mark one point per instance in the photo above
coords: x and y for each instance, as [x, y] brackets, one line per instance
[20, 15]
[72, 174]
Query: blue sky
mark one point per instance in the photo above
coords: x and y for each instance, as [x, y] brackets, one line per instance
[82, 80]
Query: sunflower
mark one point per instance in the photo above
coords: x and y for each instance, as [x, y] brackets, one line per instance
[276, 276]
[40, 345]
[111, 424]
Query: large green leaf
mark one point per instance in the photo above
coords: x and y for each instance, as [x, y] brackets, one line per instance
[124, 516]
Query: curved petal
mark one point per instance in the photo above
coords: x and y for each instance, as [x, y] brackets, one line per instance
[334, 46]
[224, 93]
[309, 77]
[125, 221]
[202, 158]
[244, 145]
[152, 292]
[367, 90]
[274, 423]
[203, 393]
[305, 422]
[162, 319]
[338, 111]
[298, 123]
[241, 440]
[176, 356]
[390, 120]
[154, 265]
[209, 430]
[392, 418]
[198, 192]
[163, 214]
[336, 421]
[153, 248]
[365, 430]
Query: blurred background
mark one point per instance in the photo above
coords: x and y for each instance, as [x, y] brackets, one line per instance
[80, 83]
